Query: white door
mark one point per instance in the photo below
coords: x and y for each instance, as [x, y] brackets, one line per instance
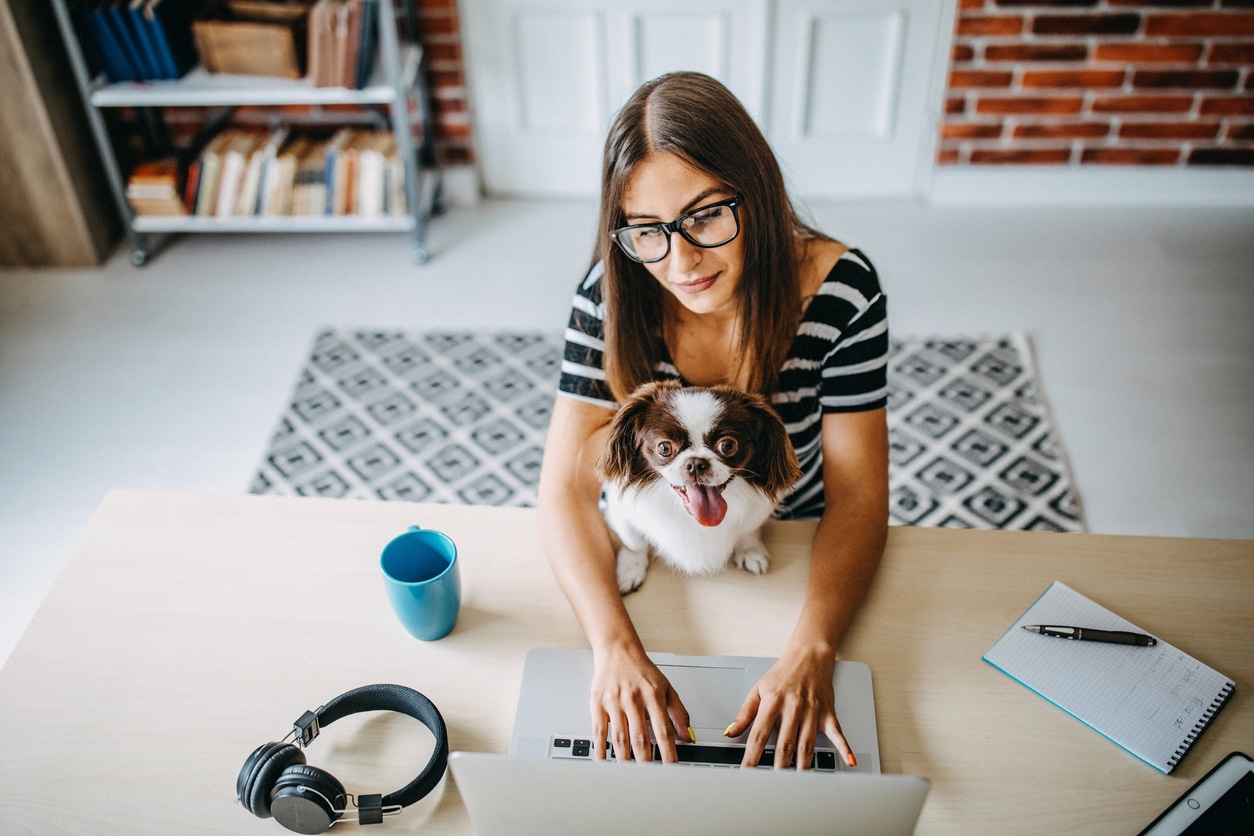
[852, 107]
[841, 87]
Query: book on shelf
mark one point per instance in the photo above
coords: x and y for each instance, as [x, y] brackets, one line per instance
[368, 196]
[379, 184]
[263, 182]
[210, 170]
[279, 200]
[153, 188]
[369, 37]
[235, 159]
[135, 40]
[309, 188]
[119, 15]
[343, 37]
[338, 170]
[169, 28]
[190, 184]
[245, 198]
[98, 23]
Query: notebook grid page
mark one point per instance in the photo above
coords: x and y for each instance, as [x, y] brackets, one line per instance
[1149, 700]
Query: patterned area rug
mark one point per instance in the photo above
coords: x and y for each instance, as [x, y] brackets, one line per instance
[461, 417]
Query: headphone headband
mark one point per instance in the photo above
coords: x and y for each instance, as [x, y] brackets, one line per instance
[401, 700]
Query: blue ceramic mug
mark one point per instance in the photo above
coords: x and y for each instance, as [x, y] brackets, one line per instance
[422, 581]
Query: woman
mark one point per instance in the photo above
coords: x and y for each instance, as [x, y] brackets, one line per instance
[776, 308]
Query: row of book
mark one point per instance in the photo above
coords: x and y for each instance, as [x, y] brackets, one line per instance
[136, 40]
[153, 40]
[250, 173]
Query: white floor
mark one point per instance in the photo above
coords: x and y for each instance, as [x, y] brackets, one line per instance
[171, 377]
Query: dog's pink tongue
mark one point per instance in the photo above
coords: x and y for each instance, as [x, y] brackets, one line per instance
[706, 504]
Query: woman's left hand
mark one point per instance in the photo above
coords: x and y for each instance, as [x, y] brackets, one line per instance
[795, 695]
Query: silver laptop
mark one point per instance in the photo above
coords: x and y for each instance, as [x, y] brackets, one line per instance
[545, 787]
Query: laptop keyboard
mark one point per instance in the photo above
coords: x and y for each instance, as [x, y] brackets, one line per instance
[698, 754]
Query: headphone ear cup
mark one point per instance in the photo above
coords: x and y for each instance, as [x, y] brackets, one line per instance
[261, 771]
[306, 798]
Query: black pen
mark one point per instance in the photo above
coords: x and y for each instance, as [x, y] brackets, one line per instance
[1088, 634]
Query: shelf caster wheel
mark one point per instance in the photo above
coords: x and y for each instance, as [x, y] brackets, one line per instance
[139, 257]
[420, 255]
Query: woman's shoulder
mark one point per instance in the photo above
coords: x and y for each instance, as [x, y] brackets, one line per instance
[849, 290]
[852, 269]
[586, 324]
[590, 285]
[827, 264]
[817, 258]
[587, 305]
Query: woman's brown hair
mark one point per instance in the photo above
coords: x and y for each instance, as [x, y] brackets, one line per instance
[698, 120]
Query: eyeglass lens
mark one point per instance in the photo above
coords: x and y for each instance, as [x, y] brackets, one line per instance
[706, 228]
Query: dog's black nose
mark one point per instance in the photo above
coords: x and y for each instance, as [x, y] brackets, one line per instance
[696, 468]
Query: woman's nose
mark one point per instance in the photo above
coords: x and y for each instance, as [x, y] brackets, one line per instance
[684, 254]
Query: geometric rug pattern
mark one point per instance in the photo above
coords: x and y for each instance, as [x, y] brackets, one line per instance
[461, 417]
[971, 444]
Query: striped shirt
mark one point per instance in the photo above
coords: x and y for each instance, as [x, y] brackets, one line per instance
[838, 362]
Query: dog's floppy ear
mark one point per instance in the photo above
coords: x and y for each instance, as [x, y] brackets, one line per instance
[620, 461]
[774, 459]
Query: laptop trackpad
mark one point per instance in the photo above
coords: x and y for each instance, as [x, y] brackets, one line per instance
[712, 695]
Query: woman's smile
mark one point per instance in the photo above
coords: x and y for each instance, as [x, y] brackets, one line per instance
[697, 285]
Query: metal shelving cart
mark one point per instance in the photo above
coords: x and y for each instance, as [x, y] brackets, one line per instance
[398, 73]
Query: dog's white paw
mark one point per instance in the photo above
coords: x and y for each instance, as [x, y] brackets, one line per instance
[753, 559]
[632, 566]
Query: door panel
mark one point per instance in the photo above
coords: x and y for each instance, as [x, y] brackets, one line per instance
[557, 67]
[851, 103]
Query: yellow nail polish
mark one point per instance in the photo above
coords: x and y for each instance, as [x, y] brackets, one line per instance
[727, 730]
[692, 735]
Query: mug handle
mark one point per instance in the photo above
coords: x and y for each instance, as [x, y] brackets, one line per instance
[414, 528]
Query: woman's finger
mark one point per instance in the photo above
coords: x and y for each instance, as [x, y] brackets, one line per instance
[638, 734]
[748, 710]
[831, 728]
[806, 731]
[600, 732]
[786, 740]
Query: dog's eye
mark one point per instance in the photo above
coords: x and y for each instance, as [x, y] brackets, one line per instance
[665, 449]
[726, 446]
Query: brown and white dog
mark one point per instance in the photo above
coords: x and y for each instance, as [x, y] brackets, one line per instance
[693, 472]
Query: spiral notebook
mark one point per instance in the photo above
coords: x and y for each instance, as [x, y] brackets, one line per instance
[1152, 701]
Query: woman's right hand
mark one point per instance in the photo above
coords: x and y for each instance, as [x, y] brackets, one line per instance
[630, 697]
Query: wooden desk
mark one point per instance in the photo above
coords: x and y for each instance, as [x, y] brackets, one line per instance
[187, 630]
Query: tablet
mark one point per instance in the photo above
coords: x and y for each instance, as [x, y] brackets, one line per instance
[1221, 802]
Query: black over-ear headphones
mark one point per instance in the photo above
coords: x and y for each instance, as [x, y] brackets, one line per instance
[276, 781]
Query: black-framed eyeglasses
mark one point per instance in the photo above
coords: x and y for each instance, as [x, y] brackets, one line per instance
[712, 225]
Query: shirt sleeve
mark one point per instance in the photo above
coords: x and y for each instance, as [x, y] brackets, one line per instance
[583, 359]
[855, 369]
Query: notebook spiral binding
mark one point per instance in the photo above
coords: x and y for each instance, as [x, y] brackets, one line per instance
[1202, 723]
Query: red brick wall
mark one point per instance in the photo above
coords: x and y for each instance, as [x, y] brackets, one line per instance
[1109, 82]
[446, 77]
